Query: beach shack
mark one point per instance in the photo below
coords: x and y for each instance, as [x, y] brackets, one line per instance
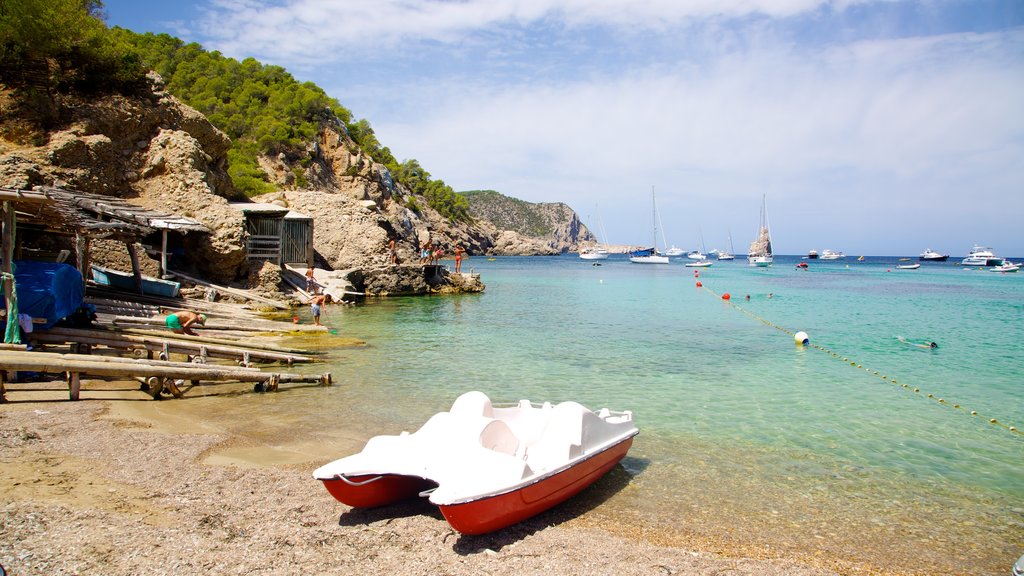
[47, 213]
[276, 233]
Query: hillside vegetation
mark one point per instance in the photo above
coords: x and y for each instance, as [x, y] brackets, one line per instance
[64, 45]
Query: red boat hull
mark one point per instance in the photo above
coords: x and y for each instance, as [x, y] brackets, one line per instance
[369, 493]
[502, 510]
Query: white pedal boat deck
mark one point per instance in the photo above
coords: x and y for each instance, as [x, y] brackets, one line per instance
[485, 466]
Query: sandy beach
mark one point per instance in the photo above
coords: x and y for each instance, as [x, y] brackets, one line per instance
[115, 484]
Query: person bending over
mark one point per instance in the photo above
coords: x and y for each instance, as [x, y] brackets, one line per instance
[181, 322]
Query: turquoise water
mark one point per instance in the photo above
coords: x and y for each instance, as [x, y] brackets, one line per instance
[746, 438]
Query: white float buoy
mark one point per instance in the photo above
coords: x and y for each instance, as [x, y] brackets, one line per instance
[801, 338]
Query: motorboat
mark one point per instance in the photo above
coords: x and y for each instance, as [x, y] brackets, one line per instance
[832, 255]
[698, 264]
[913, 266]
[982, 256]
[594, 254]
[802, 265]
[760, 252]
[673, 251]
[1006, 267]
[930, 255]
[486, 466]
[812, 254]
[696, 255]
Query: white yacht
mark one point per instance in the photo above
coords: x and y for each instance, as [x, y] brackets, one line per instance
[982, 256]
[930, 255]
[832, 255]
[594, 253]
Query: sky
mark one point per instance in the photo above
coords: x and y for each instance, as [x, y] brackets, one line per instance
[872, 127]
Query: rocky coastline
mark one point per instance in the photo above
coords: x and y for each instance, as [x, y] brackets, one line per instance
[159, 153]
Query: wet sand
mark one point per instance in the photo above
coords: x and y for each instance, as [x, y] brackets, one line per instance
[120, 484]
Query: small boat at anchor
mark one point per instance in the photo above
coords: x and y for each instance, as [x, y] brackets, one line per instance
[982, 256]
[930, 255]
[1006, 266]
[486, 466]
[913, 266]
[760, 252]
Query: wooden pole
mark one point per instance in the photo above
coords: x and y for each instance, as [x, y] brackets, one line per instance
[136, 270]
[237, 292]
[114, 339]
[163, 253]
[7, 253]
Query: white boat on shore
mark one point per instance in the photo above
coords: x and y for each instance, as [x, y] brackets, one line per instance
[486, 467]
[760, 252]
[982, 256]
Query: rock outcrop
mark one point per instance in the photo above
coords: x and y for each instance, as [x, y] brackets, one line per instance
[162, 154]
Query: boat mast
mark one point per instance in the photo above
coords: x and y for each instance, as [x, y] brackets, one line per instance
[654, 220]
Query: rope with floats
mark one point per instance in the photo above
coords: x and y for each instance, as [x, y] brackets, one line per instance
[802, 339]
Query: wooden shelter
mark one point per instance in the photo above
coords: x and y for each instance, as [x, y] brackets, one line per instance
[87, 217]
[276, 233]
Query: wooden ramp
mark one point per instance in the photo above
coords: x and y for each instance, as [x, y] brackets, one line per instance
[158, 375]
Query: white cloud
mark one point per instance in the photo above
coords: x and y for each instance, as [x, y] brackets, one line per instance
[590, 101]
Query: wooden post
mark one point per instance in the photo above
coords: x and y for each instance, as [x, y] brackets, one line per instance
[7, 254]
[136, 271]
[163, 253]
[82, 257]
[74, 384]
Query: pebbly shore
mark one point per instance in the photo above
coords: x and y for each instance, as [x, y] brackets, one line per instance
[111, 485]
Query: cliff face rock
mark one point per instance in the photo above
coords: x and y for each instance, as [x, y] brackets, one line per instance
[155, 151]
[162, 154]
[527, 228]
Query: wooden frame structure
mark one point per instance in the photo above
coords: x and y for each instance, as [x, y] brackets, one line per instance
[276, 233]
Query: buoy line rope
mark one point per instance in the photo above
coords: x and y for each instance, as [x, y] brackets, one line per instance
[858, 365]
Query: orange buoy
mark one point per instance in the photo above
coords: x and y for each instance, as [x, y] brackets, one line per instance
[725, 296]
[699, 284]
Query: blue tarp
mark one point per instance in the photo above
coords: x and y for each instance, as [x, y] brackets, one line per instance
[47, 290]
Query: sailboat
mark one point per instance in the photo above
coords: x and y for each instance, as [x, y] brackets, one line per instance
[760, 253]
[699, 257]
[728, 255]
[650, 255]
[598, 252]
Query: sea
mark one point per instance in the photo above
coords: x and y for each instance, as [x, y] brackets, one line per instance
[865, 449]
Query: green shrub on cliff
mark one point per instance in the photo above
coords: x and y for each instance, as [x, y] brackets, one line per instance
[58, 45]
[62, 45]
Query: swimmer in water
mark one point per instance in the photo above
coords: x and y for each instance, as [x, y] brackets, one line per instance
[928, 345]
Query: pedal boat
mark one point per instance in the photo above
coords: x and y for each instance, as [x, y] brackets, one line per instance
[486, 467]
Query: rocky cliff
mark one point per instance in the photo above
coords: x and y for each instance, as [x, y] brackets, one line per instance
[160, 153]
